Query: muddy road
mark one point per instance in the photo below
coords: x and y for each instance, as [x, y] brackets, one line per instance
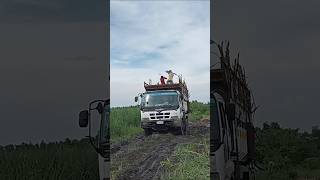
[141, 157]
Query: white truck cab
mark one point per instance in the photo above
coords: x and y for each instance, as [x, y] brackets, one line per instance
[164, 108]
[101, 142]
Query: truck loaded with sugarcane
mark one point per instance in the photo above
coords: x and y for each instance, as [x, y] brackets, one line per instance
[232, 130]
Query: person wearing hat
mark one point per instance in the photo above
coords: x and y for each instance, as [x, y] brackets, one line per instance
[170, 76]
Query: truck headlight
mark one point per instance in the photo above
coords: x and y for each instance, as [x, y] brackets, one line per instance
[145, 119]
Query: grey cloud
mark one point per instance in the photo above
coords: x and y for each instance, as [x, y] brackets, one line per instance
[50, 69]
[278, 41]
[45, 11]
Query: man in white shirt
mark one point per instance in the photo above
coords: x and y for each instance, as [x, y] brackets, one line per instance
[170, 76]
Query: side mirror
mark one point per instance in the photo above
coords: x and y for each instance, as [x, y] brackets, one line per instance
[136, 99]
[83, 118]
[231, 112]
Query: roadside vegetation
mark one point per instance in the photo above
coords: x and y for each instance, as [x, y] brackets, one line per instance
[199, 111]
[189, 161]
[72, 160]
[124, 123]
[288, 153]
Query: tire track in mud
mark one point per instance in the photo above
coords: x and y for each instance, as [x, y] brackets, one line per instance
[140, 158]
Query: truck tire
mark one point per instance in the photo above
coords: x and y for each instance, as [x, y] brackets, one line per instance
[147, 132]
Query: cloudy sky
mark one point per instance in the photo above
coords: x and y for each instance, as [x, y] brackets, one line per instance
[279, 44]
[148, 38]
[53, 62]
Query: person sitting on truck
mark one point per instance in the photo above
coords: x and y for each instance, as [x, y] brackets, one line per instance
[170, 76]
[162, 78]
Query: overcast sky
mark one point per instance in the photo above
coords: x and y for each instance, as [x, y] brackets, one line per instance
[53, 57]
[148, 38]
[53, 62]
[279, 44]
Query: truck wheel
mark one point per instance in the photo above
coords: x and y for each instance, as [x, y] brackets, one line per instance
[147, 132]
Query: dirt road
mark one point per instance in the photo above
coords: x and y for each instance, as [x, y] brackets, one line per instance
[140, 157]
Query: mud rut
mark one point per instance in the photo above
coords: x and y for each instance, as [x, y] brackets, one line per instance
[140, 158]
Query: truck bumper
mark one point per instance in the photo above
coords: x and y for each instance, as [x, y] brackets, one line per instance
[167, 124]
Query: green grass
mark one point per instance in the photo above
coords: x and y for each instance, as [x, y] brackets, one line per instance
[124, 123]
[199, 111]
[72, 160]
[293, 173]
[189, 161]
[287, 153]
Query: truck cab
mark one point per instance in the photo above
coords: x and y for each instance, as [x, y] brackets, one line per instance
[164, 108]
[100, 141]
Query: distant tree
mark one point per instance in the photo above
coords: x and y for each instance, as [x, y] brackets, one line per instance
[67, 141]
[42, 144]
[275, 125]
[266, 126]
[9, 147]
[316, 131]
[75, 141]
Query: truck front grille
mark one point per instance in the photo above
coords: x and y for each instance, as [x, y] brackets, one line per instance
[160, 116]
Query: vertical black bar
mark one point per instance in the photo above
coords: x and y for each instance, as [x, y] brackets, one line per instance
[211, 88]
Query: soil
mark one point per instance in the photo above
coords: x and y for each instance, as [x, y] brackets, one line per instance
[140, 157]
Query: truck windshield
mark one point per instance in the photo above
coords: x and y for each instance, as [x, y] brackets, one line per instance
[160, 100]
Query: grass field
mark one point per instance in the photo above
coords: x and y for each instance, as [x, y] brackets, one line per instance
[72, 160]
[189, 161]
[124, 123]
[199, 111]
[288, 153]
